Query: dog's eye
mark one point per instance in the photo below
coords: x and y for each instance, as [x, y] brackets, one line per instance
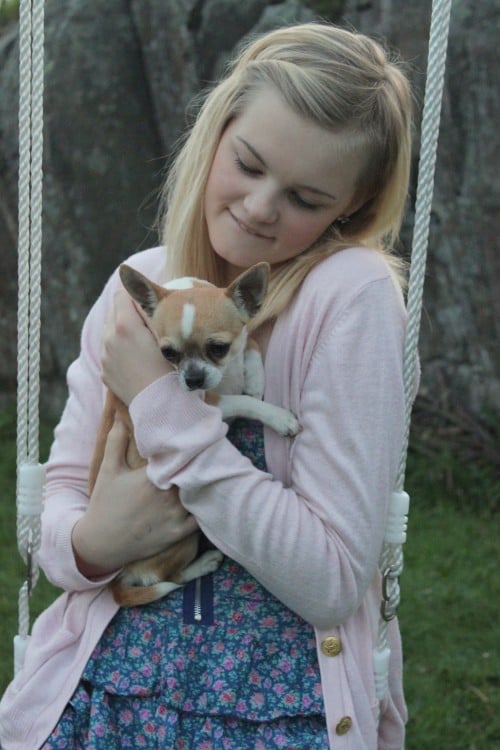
[170, 354]
[217, 349]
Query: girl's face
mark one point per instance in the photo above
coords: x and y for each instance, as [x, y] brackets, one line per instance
[276, 183]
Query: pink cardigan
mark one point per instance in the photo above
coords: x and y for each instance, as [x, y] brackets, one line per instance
[310, 530]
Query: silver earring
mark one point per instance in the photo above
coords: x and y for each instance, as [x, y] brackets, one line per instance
[342, 220]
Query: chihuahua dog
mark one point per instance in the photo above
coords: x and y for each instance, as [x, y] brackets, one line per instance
[201, 330]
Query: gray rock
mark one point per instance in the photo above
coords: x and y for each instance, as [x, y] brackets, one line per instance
[460, 333]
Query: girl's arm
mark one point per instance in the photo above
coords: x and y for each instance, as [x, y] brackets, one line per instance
[66, 491]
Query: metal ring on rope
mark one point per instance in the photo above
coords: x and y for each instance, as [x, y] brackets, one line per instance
[390, 594]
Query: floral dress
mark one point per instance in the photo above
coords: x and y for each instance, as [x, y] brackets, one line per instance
[220, 663]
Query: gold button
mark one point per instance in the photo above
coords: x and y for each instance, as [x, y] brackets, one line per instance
[331, 646]
[344, 725]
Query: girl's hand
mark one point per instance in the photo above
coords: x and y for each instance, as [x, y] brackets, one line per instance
[131, 357]
[127, 518]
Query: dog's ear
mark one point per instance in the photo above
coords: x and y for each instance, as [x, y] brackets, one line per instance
[144, 291]
[249, 290]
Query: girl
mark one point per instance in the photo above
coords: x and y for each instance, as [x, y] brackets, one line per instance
[300, 157]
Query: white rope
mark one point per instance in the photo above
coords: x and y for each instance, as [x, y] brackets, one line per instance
[29, 473]
[391, 560]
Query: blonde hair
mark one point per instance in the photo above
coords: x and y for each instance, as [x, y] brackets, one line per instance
[342, 81]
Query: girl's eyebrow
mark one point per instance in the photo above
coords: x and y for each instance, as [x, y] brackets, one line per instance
[252, 150]
[259, 158]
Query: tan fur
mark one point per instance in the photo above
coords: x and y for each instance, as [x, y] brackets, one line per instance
[166, 566]
[113, 406]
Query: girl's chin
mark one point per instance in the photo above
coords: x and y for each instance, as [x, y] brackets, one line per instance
[235, 254]
[238, 262]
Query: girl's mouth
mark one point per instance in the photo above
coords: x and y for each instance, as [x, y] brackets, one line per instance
[248, 229]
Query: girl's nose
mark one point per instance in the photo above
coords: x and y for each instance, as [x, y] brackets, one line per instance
[261, 206]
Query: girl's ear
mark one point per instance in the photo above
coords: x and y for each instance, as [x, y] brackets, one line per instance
[249, 290]
[142, 290]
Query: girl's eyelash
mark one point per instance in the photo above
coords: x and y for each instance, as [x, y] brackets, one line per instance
[294, 197]
[244, 167]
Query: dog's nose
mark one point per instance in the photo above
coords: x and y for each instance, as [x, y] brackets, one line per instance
[194, 381]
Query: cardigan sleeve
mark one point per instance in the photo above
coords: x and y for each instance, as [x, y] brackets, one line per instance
[313, 540]
[66, 491]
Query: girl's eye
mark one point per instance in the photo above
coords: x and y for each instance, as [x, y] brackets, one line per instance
[244, 167]
[294, 196]
[301, 203]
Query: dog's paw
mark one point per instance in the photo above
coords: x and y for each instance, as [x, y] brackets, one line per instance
[210, 561]
[286, 424]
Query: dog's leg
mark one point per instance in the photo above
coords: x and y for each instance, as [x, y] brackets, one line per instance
[280, 420]
[113, 407]
[134, 596]
[208, 562]
[105, 426]
[253, 384]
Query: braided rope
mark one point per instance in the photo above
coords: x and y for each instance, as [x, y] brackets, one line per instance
[23, 240]
[29, 474]
[438, 44]
[391, 559]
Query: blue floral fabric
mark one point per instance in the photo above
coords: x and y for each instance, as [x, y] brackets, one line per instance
[250, 680]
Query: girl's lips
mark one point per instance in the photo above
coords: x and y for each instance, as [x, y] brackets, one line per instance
[247, 228]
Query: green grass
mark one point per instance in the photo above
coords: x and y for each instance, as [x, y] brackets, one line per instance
[9, 11]
[449, 625]
[450, 595]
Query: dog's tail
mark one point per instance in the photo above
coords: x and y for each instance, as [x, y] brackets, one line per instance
[136, 596]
